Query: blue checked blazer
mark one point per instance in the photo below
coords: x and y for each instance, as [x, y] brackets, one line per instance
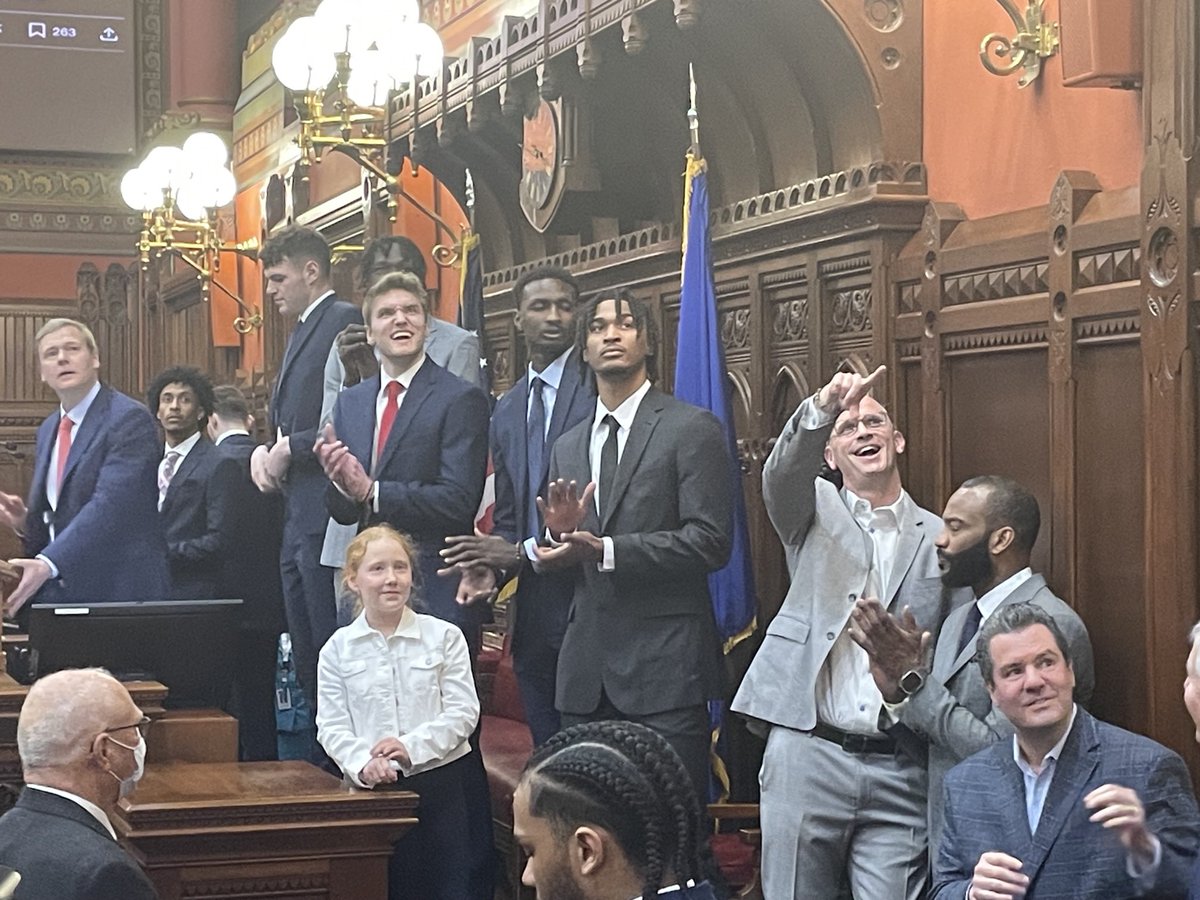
[1068, 856]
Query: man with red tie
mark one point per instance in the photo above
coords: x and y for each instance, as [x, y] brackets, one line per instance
[409, 446]
[90, 527]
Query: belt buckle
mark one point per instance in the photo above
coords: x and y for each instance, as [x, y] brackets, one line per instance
[855, 743]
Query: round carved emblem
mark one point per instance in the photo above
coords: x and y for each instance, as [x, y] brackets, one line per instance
[1163, 252]
[884, 15]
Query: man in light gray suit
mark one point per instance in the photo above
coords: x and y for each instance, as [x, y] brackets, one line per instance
[841, 800]
[641, 641]
[989, 528]
[351, 360]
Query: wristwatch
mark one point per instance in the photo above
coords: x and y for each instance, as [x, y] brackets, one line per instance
[912, 681]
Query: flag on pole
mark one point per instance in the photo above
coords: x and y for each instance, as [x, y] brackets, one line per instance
[700, 378]
[470, 317]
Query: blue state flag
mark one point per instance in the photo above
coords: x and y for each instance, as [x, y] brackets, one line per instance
[700, 378]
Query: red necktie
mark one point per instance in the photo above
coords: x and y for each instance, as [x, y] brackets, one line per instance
[393, 390]
[64, 448]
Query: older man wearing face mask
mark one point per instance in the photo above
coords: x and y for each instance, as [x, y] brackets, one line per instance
[82, 750]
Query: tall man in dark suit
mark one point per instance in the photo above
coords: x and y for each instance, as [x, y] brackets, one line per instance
[196, 486]
[90, 528]
[79, 736]
[409, 446]
[989, 527]
[654, 519]
[251, 573]
[1071, 806]
[841, 800]
[296, 265]
[550, 398]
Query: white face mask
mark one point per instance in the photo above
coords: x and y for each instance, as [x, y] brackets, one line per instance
[139, 758]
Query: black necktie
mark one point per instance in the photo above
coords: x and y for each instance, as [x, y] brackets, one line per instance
[608, 466]
[970, 628]
[535, 441]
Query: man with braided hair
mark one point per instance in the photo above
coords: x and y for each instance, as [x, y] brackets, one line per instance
[606, 811]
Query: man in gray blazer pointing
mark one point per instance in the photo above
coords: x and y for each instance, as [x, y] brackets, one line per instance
[842, 801]
[989, 528]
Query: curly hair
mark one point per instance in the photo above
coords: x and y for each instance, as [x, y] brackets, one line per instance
[625, 301]
[200, 384]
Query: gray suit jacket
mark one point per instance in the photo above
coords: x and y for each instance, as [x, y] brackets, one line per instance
[1068, 857]
[645, 632]
[953, 710]
[828, 555]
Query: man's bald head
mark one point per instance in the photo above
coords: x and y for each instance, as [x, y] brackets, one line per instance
[65, 711]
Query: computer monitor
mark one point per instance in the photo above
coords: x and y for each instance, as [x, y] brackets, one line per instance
[188, 645]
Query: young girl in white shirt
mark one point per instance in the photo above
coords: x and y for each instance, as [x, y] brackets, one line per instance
[397, 706]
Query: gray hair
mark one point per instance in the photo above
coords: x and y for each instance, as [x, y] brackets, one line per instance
[61, 714]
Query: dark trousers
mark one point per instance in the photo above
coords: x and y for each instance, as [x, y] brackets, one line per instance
[308, 601]
[441, 857]
[535, 664]
[685, 729]
[253, 702]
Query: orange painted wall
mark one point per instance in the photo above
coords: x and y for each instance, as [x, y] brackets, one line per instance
[991, 147]
[248, 215]
[418, 227]
[47, 276]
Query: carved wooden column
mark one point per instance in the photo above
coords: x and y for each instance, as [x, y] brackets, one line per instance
[1168, 185]
[205, 62]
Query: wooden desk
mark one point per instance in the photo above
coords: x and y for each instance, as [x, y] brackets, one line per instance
[283, 830]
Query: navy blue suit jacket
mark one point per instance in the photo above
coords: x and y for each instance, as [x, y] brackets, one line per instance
[430, 473]
[542, 601]
[296, 408]
[197, 514]
[1068, 856]
[252, 564]
[108, 543]
[63, 852]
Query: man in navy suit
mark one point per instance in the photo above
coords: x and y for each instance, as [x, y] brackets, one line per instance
[296, 265]
[251, 573]
[196, 486]
[409, 446]
[525, 424]
[1071, 806]
[79, 736]
[90, 528]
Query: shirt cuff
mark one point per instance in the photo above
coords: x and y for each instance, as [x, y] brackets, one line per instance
[528, 547]
[890, 714]
[373, 496]
[608, 563]
[50, 563]
[812, 416]
[1134, 867]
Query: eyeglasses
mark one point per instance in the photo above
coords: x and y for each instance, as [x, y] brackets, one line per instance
[871, 422]
[140, 724]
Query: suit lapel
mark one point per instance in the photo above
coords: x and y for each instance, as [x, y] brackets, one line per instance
[301, 335]
[414, 396]
[186, 467]
[574, 453]
[84, 437]
[644, 423]
[1011, 785]
[1078, 760]
[909, 542]
[945, 666]
[41, 474]
[952, 630]
[520, 443]
[356, 416]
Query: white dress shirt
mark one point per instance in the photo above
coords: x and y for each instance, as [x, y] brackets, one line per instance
[308, 309]
[77, 413]
[181, 450]
[224, 434]
[414, 685]
[405, 378]
[91, 808]
[624, 414]
[990, 602]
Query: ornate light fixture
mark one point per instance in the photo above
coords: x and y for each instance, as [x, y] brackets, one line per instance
[1035, 40]
[347, 58]
[179, 191]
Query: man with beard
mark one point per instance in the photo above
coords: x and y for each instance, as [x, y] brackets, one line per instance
[989, 528]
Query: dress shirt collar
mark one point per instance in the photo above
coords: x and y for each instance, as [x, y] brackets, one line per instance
[1053, 753]
[625, 413]
[224, 434]
[990, 602]
[308, 309]
[96, 812]
[409, 627]
[897, 513]
[183, 448]
[405, 378]
[553, 373]
[80, 409]
[669, 889]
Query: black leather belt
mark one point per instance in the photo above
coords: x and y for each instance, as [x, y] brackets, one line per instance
[853, 743]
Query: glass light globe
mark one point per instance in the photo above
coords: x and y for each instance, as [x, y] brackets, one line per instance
[206, 148]
[138, 192]
[351, 24]
[190, 202]
[427, 46]
[302, 58]
[166, 167]
[370, 80]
